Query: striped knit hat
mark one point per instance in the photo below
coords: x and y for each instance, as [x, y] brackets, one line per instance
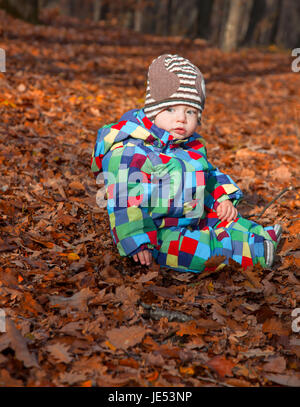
[173, 80]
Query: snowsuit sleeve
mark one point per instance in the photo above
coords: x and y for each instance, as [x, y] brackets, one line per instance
[132, 227]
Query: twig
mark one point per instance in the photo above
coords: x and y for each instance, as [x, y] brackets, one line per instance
[207, 379]
[154, 312]
[270, 203]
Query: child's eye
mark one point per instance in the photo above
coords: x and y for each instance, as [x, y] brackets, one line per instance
[192, 112]
[170, 109]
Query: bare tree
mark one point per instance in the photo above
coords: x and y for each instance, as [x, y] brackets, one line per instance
[231, 29]
[288, 31]
[138, 16]
[97, 10]
[263, 22]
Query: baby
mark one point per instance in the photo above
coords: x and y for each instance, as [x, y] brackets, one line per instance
[165, 200]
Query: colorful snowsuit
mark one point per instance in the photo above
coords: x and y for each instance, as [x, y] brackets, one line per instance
[162, 194]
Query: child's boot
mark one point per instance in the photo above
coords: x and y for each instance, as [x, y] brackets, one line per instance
[269, 253]
[278, 232]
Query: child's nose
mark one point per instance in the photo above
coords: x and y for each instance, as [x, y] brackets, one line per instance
[181, 117]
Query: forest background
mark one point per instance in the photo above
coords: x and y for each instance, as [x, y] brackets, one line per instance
[72, 312]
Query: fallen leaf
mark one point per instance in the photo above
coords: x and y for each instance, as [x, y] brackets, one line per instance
[147, 277]
[73, 256]
[221, 365]
[19, 345]
[72, 378]
[76, 301]
[60, 352]
[294, 229]
[275, 327]
[7, 381]
[282, 174]
[275, 365]
[190, 328]
[187, 370]
[292, 380]
[124, 338]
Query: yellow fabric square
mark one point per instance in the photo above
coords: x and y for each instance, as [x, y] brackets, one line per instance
[134, 213]
[246, 250]
[139, 132]
[172, 260]
[110, 137]
[229, 188]
[112, 220]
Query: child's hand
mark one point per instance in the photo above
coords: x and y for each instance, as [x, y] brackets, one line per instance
[226, 211]
[144, 256]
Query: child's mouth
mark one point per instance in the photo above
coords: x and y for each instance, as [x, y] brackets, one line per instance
[180, 131]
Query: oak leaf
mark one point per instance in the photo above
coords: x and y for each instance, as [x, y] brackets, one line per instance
[60, 352]
[124, 338]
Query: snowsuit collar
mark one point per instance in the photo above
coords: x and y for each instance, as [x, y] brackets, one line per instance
[133, 124]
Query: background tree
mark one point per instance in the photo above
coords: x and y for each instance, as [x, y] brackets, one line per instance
[27, 10]
[227, 24]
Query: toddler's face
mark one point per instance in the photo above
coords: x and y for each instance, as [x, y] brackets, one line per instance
[180, 120]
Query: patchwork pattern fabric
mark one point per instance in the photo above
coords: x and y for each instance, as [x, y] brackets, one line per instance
[162, 194]
[186, 249]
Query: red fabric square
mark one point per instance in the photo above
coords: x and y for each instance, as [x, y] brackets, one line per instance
[171, 222]
[164, 158]
[174, 247]
[246, 262]
[222, 224]
[147, 122]
[153, 237]
[196, 145]
[188, 245]
[219, 191]
[194, 156]
[119, 125]
[273, 235]
[138, 160]
[99, 161]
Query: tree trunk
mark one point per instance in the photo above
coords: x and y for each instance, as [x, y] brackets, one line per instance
[288, 30]
[97, 10]
[138, 16]
[205, 13]
[160, 20]
[230, 35]
[218, 16]
[182, 18]
[263, 22]
[26, 10]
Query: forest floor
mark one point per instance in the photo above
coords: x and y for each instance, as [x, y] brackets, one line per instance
[76, 313]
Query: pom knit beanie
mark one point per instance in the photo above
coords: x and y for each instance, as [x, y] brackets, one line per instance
[173, 80]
